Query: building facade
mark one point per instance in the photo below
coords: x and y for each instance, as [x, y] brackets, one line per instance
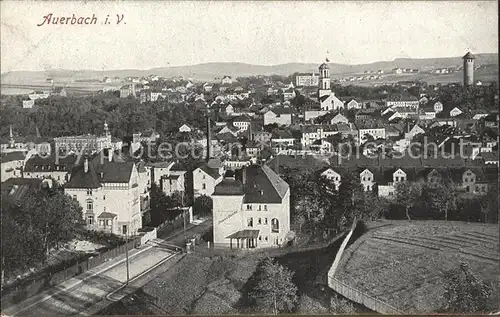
[251, 210]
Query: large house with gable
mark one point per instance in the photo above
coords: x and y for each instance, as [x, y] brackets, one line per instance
[108, 191]
[251, 209]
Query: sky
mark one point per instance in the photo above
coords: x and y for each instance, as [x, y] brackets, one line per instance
[175, 33]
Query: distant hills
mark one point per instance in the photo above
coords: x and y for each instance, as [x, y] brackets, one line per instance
[210, 71]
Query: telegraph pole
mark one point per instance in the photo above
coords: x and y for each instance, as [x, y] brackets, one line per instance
[126, 254]
[183, 218]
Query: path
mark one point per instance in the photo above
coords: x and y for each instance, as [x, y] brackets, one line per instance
[92, 291]
[81, 293]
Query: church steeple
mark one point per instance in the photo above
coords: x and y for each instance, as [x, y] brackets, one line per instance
[324, 79]
[106, 129]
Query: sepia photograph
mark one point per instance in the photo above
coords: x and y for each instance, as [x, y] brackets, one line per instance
[249, 158]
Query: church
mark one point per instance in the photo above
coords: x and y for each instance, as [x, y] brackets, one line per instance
[326, 97]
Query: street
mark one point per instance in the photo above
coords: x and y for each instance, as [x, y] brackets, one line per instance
[94, 290]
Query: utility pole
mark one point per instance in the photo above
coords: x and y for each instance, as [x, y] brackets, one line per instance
[126, 254]
[183, 218]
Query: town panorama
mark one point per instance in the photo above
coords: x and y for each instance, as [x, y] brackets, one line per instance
[320, 189]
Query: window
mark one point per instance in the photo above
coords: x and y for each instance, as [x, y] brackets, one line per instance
[89, 192]
[466, 180]
[249, 207]
[250, 222]
[265, 207]
[260, 238]
[124, 229]
[101, 223]
[74, 196]
[265, 221]
[275, 225]
[108, 222]
[266, 238]
[260, 221]
[203, 186]
[364, 178]
[90, 220]
[260, 207]
[396, 178]
[203, 177]
[104, 198]
[90, 205]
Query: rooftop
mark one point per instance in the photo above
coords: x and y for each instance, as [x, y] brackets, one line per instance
[258, 184]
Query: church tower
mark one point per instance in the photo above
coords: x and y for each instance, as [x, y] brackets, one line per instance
[324, 80]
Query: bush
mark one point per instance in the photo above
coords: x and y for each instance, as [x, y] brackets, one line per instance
[108, 239]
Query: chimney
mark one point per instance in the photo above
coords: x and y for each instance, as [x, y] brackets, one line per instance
[244, 176]
[209, 139]
[86, 165]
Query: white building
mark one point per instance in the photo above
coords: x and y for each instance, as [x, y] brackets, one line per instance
[226, 80]
[278, 115]
[108, 191]
[413, 104]
[455, 112]
[311, 133]
[367, 180]
[206, 177]
[12, 164]
[333, 176]
[306, 80]
[251, 210]
[28, 104]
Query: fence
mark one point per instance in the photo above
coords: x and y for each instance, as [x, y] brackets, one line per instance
[359, 297]
[268, 252]
[15, 294]
[150, 235]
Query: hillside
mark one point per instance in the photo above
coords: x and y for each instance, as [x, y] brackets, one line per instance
[210, 71]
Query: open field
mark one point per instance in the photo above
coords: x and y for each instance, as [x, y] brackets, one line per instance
[402, 263]
[486, 75]
[197, 284]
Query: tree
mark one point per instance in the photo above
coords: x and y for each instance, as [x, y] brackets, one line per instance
[464, 292]
[203, 205]
[55, 214]
[408, 194]
[275, 291]
[489, 204]
[440, 197]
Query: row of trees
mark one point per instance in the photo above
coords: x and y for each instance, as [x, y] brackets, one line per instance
[56, 116]
[43, 220]
[441, 201]
[322, 210]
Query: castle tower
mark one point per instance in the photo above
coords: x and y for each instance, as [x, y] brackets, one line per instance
[468, 69]
[324, 80]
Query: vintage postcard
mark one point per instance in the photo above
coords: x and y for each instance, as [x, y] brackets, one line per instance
[249, 157]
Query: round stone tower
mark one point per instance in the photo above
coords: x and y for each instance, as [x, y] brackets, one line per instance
[468, 69]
